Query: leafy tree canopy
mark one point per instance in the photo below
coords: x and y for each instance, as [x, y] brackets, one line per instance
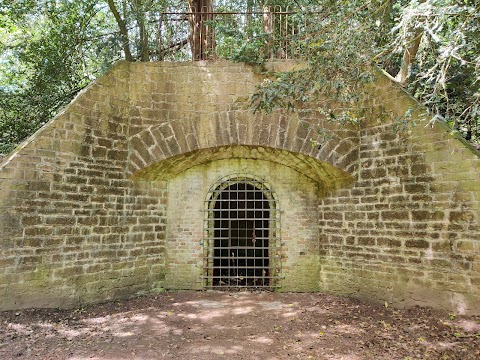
[430, 47]
[50, 49]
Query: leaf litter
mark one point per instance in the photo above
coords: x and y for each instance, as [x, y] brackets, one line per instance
[241, 325]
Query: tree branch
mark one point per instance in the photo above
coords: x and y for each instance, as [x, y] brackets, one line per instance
[123, 30]
[409, 57]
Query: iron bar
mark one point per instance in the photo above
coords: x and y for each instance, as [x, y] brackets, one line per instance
[242, 242]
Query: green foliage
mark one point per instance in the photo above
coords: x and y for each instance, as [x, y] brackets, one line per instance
[239, 40]
[342, 39]
[446, 75]
[14, 128]
[250, 52]
[404, 122]
[49, 50]
[337, 54]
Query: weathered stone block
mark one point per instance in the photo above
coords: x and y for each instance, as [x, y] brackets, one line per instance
[420, 244]
[112, 237]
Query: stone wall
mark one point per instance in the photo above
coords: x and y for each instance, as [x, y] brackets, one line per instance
[407, 232]
[295, 194]
[106, 200]
[73, 227]
[179, 108]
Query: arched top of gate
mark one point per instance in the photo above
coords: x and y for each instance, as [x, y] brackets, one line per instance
[258, 182]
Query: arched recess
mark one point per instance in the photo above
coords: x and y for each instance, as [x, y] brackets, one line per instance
[242, 245]
[328, 176]
[299, 181]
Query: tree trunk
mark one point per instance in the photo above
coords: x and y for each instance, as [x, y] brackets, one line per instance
[123, 30]
[139, 10]
[409, 56]
[268, 29]
[201, 37]
[160, 55]
[249, 18]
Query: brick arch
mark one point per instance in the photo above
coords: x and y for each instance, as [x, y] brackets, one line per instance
[293, 133]
[328, 176]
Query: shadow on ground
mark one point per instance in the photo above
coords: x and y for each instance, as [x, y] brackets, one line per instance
[242, 325]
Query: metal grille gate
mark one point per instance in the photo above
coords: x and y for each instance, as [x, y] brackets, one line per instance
[242, 234]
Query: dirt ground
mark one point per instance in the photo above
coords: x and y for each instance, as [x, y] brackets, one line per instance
[238, 325]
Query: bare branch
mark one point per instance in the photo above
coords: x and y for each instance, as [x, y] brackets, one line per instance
[409, 57]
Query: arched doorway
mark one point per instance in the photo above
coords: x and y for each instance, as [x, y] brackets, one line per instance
[242, 244]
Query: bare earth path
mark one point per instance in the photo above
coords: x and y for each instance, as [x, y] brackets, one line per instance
[242, 325]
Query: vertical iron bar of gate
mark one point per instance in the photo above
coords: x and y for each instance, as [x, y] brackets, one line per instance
[225, 200]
